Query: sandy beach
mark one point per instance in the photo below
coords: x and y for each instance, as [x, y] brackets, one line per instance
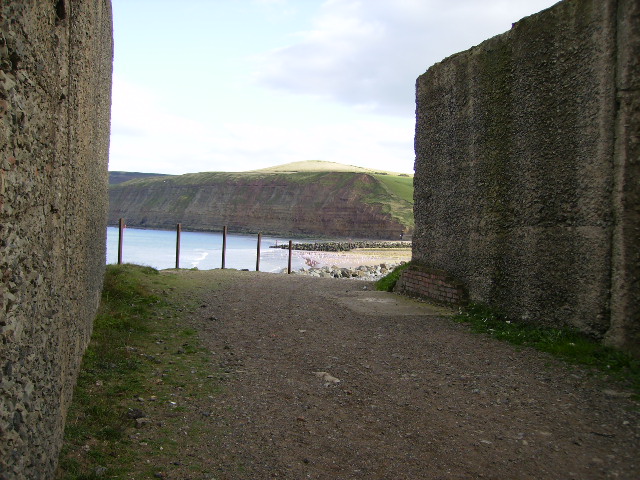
[357, 257]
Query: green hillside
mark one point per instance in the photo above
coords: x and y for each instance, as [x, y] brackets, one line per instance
[121, 177]
[313, 197]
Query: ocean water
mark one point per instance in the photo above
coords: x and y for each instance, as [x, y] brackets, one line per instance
[157, 248]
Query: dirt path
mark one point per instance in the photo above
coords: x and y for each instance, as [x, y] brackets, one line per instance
[418, 397]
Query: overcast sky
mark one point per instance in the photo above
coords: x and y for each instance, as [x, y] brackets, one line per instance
[234, 85]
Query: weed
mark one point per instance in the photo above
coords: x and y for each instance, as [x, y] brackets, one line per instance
[389, 281]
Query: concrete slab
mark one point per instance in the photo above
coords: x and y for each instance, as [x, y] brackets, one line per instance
[372, 302]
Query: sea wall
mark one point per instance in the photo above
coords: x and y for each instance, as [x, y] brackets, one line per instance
[55, 89]
[527, 169]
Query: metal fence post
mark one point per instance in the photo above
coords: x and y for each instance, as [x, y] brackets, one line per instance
[120, 239]
[178, 230]
[224, 245]
[258, 253]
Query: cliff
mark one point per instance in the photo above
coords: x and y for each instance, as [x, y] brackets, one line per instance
[301, 203]
[527, 169]
[55, 99]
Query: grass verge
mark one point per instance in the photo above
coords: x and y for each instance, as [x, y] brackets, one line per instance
[565, 343]
[139, 376]
[386, 283]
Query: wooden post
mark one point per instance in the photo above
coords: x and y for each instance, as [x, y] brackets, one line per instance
[258, 253]
[178, 230]
[120, 239]
[224, 245]
[290, 254]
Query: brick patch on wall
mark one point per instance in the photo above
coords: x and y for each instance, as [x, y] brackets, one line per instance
[431, 284]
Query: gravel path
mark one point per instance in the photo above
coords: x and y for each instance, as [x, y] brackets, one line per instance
[418, 396]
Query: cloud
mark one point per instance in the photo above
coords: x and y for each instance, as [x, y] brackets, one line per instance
[146, 137]
[369, 53]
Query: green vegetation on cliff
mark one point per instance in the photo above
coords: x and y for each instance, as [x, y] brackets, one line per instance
[121, 177]
[303, 198]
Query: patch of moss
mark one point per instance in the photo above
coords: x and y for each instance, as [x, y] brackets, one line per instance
[388, 282]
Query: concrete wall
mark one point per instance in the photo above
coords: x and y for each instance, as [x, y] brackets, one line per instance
[55, 89]
[526, 182]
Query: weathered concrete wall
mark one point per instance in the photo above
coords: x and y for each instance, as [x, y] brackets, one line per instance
[55, 89]
[526, 182]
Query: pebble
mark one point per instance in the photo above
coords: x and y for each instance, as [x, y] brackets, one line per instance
[327, 377]
[135, 413]
[363, 272]
[141, 422]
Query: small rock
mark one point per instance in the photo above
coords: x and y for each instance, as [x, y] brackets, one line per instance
[141, 422]
[100, 471]
[327, 377]
[135, 413]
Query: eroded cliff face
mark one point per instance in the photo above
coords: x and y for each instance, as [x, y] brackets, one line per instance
[330, 204]
[55, 89]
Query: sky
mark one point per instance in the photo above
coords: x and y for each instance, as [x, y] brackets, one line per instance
[236, 85]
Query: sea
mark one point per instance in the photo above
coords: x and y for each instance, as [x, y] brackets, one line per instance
[201, 250]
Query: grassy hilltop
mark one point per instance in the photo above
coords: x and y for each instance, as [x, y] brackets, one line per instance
[302, 198]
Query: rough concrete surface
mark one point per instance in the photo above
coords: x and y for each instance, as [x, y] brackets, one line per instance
[55, 89]
[526, 182]
[418, 396]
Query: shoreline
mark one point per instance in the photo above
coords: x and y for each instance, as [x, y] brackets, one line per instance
[317, 239]
[356, 258]
[365, 264]
[363, 272]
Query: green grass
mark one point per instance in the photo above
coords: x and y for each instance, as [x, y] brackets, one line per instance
[139, 350]
[402, 187]
[565, 343]
[389, 281]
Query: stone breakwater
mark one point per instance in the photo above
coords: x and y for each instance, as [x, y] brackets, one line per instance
[342, 246]
[363, 272]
